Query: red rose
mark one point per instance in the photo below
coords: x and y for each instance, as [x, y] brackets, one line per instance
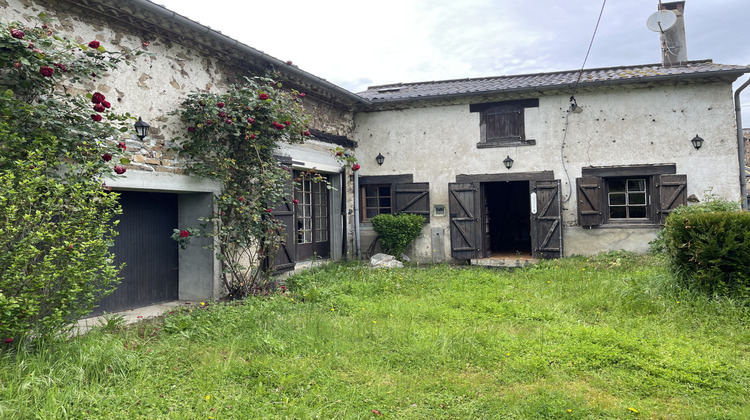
[220, 104]
[145, 44]
[288, 122]
[17, 33]
[251, 120]
[106, 104]
[121, 145]
[301, 95]
[241, 199]
[17, 65]
[222, 114]
[96, 117]
[252, 136]
[339, 154]
[47, 71]
[289, 62]
[99, 108]
[295, 201]
[94, 44]
[306, 133]
[355, 167]
[8, 340]
[208, 122]
[184, 234]
[263, 97]
[31, 45]
[191, 129]
[119, 170]
[107, 157]
[61, 66]
[228, 121]
[97, 98]
[269, 210]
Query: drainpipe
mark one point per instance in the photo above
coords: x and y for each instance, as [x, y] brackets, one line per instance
[356, 215]
[741, 143]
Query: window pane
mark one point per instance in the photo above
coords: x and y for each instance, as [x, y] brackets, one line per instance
[385, 202]
[617, 185]
[384, 191]
[617, 199]
[637, 198]
[372, 202]
[636, 185]
[371, 213]
[638, 212]
[371, 191]
[617, 212]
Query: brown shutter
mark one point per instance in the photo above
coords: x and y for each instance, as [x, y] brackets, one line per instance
[672, 193]
[589, 201]
[285, 258]
[463, 203]
[547, 222]
[412, 198]
[504, 122]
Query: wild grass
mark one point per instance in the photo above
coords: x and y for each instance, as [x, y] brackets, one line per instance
[603, 337]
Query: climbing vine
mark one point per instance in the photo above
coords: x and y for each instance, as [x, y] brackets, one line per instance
[231, 137]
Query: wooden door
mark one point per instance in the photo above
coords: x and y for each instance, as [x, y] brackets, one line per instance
[285, 258]
[546, 219]
[144, 244]
[312, 222]
[465, 220]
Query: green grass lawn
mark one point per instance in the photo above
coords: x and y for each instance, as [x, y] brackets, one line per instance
[604, 337]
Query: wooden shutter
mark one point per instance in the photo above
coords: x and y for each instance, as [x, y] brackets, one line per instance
[589, 201]
[672, 193]
[412, 198]
[463, 203]
[504, 122]
[285, 259]
[546, 240]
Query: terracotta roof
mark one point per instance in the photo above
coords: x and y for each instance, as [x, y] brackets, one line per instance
[549, 81]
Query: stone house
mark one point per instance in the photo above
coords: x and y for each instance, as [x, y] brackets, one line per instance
[540, 165]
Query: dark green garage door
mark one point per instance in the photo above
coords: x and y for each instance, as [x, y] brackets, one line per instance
[151, 272]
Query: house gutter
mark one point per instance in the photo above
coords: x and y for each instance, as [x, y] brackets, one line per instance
[357, 246]
[222, 39]
[741, 143]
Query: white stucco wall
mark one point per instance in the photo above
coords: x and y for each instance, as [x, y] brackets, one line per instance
[618, 126]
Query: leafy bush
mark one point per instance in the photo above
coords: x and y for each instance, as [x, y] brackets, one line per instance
[710, 251]
[56, 148]
[397, 231]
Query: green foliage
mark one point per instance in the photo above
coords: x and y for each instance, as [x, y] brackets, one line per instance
[55, 215]
[398, 231]
[231, 138]
[710, 251]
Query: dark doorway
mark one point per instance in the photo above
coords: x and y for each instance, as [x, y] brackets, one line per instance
[507, 223]
[150, 255]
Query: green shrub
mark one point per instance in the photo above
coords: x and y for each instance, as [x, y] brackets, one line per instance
[397, 231]
[710, 251]
[54, 249]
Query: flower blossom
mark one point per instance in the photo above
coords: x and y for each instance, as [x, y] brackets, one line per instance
[184, 234]
[263, 97]
[17, 33]
[94, 44]
[47, 71]
[97, 98]
[96, 117]
[119, 170]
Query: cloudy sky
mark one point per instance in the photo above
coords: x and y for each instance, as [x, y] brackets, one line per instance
[356, 44]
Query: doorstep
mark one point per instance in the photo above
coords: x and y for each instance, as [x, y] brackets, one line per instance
[131, 315]
[504, 261]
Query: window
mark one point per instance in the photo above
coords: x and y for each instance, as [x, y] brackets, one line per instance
[376, 199]
[627, 198]
[629, 195]
[387, 194]
[502, 124]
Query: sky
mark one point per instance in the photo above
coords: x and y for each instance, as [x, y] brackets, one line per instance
[356, 44]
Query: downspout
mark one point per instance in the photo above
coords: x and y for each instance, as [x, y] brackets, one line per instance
[356, 215]
[741, 143]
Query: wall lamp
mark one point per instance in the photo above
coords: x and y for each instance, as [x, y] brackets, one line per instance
[141, 128]
[697, 142]
[380, 159]
[508, 162]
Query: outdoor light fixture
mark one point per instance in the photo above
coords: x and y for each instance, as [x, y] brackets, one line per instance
[141, 128]
[508, 162]
[697, 142]
[380, 159]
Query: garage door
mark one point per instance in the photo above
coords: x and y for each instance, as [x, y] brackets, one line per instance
[151, 272]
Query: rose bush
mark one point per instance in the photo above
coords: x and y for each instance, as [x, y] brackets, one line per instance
[56, 213]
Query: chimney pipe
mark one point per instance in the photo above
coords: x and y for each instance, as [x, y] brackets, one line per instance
[673, 41]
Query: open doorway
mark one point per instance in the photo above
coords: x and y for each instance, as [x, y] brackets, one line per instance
[507, 223]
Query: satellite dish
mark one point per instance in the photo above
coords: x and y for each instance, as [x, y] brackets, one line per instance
[661, 21]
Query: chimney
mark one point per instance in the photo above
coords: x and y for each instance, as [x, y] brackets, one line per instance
[673, 41]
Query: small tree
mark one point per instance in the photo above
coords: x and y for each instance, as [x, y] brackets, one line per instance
[55, 214]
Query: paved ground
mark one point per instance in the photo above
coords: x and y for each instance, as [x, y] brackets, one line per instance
[133, 315]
